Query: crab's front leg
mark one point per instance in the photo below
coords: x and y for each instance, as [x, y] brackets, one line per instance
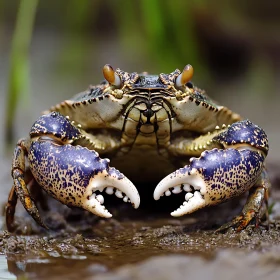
[71, 173]
[222, 173]
[258, 195]
[20, 189]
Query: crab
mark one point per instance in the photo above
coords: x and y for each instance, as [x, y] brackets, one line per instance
[157, 128]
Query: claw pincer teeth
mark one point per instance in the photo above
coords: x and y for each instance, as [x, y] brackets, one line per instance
[185, 179]
[213, 178]
[112, 181]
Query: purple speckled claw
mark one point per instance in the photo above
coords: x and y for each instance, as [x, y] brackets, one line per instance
[216, 176]
[73, 175]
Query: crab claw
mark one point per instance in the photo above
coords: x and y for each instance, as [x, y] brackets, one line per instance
[188, 180]
[112, 181]
[216, 176]
[75, 176]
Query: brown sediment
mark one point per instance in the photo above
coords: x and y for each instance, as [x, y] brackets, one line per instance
[82, 246]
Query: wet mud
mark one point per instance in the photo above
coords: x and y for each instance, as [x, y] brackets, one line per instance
[142, 244]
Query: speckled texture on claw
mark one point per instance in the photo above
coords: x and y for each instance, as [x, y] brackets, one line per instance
[216, 176]
[149, 127]
[72, 175]
[244, 132]
[57, 125]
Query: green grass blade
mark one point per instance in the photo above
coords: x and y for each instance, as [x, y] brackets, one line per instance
[18, 76]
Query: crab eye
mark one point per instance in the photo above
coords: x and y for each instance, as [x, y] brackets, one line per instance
[185, 76]
[111, 77]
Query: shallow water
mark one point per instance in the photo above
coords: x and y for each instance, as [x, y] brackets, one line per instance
[4, 270]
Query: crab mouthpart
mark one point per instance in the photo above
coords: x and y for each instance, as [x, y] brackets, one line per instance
[112, 181]
[192, 184]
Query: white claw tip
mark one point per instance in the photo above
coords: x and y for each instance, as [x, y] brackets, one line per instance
[110, 182]
[192, 184]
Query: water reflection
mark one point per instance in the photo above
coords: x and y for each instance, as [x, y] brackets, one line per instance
[16, 266]
[4, 269]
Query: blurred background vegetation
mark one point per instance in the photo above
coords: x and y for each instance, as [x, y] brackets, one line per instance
[51, 50]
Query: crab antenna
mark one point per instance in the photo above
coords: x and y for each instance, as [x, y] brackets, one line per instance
[111, 76]
[185, 76]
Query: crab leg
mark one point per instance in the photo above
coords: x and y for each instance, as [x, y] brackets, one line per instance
[252, 209]
[20, 188]
[10, 209]
[220, 174]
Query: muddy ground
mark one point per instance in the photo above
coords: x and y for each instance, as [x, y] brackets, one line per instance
[142, 244]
